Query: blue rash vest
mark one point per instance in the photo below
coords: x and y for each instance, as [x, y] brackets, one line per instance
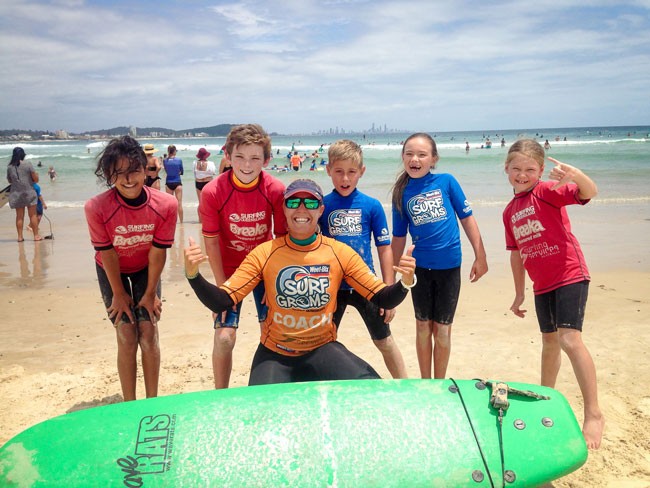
[354, 220]
[431, 205]
[174, 169]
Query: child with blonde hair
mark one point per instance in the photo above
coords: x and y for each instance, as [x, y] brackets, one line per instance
[355, 218]
[538, 234]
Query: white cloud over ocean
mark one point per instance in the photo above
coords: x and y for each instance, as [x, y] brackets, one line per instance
[300, 66]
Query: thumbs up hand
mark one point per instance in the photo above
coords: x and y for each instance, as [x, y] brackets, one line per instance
[407, 267]
[193, 257]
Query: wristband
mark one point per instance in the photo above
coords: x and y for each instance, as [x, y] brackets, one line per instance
[191, 277]
[408, 287]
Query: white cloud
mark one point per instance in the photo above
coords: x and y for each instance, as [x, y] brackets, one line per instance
[304, 65]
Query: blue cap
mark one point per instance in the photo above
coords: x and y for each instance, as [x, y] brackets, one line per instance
[304, 186]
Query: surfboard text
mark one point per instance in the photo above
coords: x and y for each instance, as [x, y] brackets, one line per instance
[153, 449]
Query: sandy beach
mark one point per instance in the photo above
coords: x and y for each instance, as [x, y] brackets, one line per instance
[57, 349]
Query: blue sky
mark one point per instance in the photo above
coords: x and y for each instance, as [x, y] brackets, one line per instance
[298, 66]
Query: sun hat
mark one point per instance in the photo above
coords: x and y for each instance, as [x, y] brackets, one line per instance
[202, 154]
[304, 186]
[149, 149]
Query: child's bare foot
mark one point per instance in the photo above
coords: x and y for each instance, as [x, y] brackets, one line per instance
[592, 429]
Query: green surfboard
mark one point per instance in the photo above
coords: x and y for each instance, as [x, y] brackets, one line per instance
[403, 433]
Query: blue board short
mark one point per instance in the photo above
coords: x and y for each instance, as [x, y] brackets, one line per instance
[232, 315]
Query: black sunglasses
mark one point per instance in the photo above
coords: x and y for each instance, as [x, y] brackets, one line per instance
[310, 203]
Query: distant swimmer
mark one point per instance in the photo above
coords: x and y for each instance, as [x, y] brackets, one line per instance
[547, 145]
[295, 161]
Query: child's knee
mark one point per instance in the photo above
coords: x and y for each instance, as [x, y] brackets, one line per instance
[384, 345]
[424, 326]
[148, 338]
[224, 339]
[442, 335]
[127, 343]
[570, 340]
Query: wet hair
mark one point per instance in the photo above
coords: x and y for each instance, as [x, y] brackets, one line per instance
[345, 149]
[17, 156]
[171, 151]
[124, 147]
[529, 148]
[247, 134]
[403, 178]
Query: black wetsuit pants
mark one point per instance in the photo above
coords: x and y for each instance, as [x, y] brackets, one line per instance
[331, 361]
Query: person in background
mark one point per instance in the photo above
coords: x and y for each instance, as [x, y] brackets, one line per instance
[428, 206]
[51, 173]
[354, 218]
[224, 165]
[302, 273]
[239, 209]
[131, 227]
[173, 184]
[152, 179]
[538, 234]
[22, 176]
[204, 172]
[40, 206]
[296, 161]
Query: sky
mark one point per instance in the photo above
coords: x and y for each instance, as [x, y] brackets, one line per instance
[302, 66]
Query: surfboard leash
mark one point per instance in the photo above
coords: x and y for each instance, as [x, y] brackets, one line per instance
[499, 401]
[471, 425]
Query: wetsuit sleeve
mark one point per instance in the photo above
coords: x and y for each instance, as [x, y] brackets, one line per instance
[210, 295]
[390, 296]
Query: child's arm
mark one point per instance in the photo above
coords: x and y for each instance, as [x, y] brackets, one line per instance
[150, 300]
[397, 246]
[122, 302]
[210, 295]
[519, 275]
[385, 254]
[386, 262]
[213, 250]
[480, 266]
[564, 173]
[40, 197]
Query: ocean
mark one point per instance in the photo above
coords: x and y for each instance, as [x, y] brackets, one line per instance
[613, 229]
[617, 159]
